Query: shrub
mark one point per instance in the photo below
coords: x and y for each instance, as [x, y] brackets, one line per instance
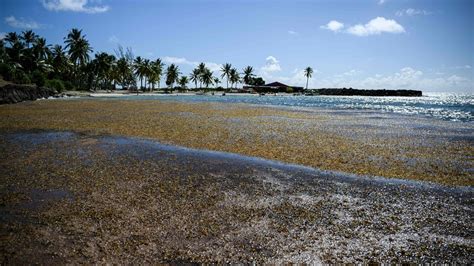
[56, 84]
[6, 71]
[38, 78]
[20, 77]
[68, 85]
[289, 90]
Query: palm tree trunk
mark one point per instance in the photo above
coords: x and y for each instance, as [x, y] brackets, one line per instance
[307, 79]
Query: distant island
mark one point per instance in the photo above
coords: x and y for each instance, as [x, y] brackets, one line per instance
[357, 92]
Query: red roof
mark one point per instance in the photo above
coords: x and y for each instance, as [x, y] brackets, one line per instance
[276, 84]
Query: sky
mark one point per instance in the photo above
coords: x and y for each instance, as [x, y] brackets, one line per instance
[367, 44]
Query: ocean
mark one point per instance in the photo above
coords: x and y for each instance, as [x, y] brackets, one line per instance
[445, 106]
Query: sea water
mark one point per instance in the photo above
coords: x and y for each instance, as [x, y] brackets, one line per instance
[446, 106]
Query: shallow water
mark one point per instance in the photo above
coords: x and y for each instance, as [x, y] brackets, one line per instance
[445, 106]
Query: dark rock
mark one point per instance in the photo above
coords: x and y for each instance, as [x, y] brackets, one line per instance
[14, 93]
[353, 92]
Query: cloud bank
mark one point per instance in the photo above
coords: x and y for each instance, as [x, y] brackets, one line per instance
[405, 78]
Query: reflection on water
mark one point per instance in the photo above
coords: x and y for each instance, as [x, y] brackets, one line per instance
[454, 107]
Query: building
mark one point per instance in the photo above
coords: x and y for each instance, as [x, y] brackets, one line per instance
[273, 87]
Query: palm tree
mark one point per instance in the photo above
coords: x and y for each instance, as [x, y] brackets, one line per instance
[202, 68]
[36, 57]
[124, 73]
[248, 74]
[29, 37]
[78, 49]
[207, 77]
[226, 72]
[308, 73]
[16, 50]
[156, 72]
[138, 68]
[104, 63]
[216, 81]
[182, 82]
[58, 60]
[234, 77]
[146, 70]
[40, 49]
[12, 38]
[172, 74]
[195, 76]
[78, 46]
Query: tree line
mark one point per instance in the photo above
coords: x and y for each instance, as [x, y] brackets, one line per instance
[27, 58]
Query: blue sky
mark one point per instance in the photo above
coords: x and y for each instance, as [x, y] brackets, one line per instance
[393, 44]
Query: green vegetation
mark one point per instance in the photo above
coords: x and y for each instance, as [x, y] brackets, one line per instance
[26, 58]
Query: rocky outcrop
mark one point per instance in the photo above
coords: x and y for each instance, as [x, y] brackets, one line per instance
[353, 92]
[15, 93]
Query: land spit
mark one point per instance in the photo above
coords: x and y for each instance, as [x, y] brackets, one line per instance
[84, 198]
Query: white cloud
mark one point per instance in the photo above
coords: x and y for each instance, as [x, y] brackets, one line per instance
[291, 32]
[177, 60]
[412, 12]
[2, 35]
[381, 2]
[213, 66]
[21, 23]
[377, 25]
[271, 65]
[73, 5]
[333, 25]
[183, 61]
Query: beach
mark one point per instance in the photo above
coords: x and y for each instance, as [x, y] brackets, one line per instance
[78, 198]
[125, 181]
[165, 138]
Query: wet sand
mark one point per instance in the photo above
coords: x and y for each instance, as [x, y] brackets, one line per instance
[358, 142]
[85, 198]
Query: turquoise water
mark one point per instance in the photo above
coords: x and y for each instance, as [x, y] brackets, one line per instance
[453, 107]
